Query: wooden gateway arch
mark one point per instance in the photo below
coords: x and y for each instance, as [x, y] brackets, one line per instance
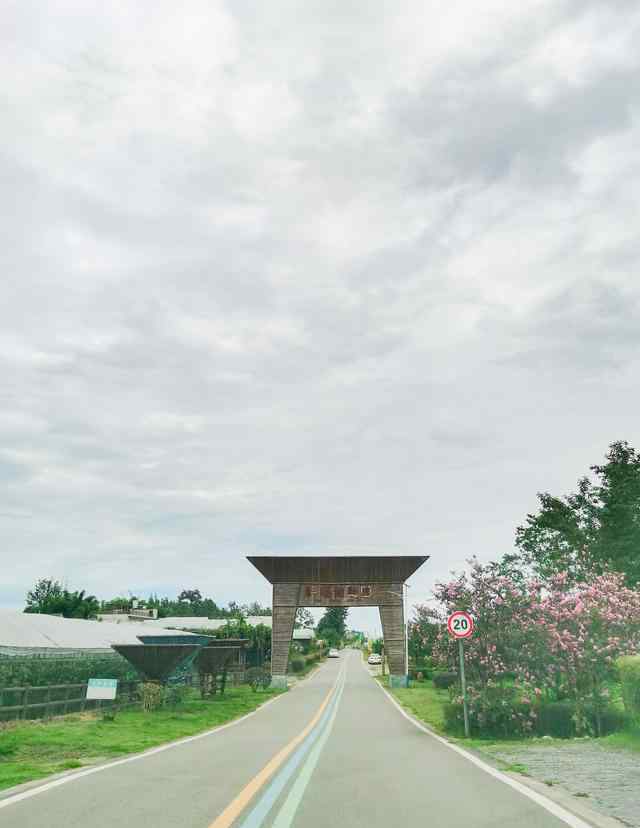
[338, 581]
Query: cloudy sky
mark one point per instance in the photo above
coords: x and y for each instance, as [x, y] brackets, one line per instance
[318, 277]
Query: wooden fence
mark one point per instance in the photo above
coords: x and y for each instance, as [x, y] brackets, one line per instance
[57, 700]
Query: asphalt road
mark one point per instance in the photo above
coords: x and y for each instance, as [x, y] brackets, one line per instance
[334, 751]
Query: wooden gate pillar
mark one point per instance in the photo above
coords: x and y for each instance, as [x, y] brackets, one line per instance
[393, 633]
[285, 605]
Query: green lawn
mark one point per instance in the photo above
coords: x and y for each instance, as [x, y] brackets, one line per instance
[424, 701]
[32, 750]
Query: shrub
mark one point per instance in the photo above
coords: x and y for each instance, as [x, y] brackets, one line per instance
[257, 678]
[629, 672]
[175, 695]
[495, 711]
[557, 719]
[611, 720]
[444, 680]
[152, 696]
[41, 671]
[297, 665]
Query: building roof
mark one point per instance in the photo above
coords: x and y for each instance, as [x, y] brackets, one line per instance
[199, 623]
[337, 569]
[29, 632]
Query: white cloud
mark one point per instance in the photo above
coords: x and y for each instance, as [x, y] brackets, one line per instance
[310, 279]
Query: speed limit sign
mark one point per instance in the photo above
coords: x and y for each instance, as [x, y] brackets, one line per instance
[460, 624]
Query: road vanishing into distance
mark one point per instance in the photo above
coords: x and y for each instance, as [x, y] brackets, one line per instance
[333, 751]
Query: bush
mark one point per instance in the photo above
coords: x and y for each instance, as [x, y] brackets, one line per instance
[257, 678]
[611, 720]
[297, 665]
[41, 671]
[152, 696]
[496, 711]
[420, 668]
[629, 672]
[557, 719]
[444, 680]
[175, 695]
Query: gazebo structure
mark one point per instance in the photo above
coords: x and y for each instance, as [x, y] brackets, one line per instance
[336, 581]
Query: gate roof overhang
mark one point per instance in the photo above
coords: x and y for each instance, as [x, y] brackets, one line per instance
[337, 569]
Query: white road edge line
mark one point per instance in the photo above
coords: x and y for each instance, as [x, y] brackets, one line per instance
[557, 810]
[20, 797]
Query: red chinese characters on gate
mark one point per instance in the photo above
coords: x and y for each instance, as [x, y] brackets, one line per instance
[319, 593]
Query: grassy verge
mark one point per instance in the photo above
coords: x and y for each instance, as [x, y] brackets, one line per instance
[427, 704]
[308, 668]
[423, 700]
[32, 750]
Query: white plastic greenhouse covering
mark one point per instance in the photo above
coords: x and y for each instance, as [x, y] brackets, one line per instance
[32, 634]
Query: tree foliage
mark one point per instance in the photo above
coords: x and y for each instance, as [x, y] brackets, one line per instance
[332, 626]
[593, 529]
[50, 597]
[304, 619]
[538, 642]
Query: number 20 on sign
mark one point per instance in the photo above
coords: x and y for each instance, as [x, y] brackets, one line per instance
[460, 624]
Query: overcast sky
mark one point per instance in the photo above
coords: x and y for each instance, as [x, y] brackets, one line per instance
[318, 277]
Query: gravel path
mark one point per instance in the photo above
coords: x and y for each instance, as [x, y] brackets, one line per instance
[609, 779]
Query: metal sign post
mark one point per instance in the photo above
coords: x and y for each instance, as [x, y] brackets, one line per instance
[464, 688]
[460, 626]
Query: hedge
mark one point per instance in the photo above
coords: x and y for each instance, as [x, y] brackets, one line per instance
[38, 671]
[629, 672]
[443, 680]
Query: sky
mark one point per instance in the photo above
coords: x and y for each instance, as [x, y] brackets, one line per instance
[307, 278]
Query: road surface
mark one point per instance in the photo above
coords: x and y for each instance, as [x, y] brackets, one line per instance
[334, 751]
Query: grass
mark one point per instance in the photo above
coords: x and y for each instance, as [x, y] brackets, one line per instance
[625, 739]
[33, 750]
[424, 701]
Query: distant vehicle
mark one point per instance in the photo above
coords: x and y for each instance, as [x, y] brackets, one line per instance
[374, 658]
[334, 653]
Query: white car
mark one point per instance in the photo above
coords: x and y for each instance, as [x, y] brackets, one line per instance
[333, 653]
[374, 658]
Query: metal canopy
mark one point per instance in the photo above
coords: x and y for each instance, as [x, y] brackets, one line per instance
[156, 662]
[335, 569]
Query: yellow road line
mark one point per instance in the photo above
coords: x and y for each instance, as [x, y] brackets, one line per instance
[235, 808]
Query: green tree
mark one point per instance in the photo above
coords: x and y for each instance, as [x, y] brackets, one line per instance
[332, 626]
[256, 608]
[304, 619]
[49, 597]
[192, 596]
[593, 529]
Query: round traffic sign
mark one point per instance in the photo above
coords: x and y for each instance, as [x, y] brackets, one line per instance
[460, 624]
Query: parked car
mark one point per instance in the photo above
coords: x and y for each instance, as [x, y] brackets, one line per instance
[374, 658]
[333, 653]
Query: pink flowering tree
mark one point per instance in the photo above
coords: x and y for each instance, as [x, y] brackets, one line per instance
[573, 635]
[495, 602]
[536, 642]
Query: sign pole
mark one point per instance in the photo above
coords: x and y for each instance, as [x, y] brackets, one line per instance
[464, 688]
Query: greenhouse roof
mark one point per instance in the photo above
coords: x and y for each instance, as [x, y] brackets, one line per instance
[22, 633]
